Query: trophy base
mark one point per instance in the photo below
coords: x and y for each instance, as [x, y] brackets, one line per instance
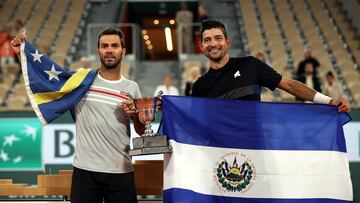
[146, 145]
[150, 150]
[150, 141]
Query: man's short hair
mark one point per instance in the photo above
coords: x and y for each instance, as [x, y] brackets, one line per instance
[309, 63]
[210, 24]
[112, 31]
[330, 74]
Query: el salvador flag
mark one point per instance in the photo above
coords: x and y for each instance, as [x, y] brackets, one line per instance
[254, 152]
[52, 90]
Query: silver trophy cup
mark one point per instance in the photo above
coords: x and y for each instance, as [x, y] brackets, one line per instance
[149, 142]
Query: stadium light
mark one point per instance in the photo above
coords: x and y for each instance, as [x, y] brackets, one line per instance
[168, 38]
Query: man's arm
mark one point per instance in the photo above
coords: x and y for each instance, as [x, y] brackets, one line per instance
[139, 127]
[304, 92]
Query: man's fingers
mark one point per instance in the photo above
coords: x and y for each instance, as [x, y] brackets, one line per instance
[128, 106]
[129, 111]
[18, 39]
[343, 108]
[342, 105]
[347, 110]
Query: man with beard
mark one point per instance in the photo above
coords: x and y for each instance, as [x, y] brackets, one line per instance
[102, 165]
[242, 78]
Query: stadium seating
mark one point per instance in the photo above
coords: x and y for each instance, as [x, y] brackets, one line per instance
[282, 29]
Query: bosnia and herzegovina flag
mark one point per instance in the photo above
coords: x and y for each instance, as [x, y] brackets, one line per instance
[253, 152]
[52, 90]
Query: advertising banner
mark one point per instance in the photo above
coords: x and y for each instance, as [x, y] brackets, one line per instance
[20, 144]
[352, 136]
[24, 143]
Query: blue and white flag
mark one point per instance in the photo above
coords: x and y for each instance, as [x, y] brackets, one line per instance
[254, 152]
[52, 90]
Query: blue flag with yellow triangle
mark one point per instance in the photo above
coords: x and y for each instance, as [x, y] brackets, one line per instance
[52, 90]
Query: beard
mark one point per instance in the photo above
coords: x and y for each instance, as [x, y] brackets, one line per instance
[213, 57]
[217, 56]
[110, 64]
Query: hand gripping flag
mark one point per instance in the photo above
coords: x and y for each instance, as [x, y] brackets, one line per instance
[254, 152]
[52, 90]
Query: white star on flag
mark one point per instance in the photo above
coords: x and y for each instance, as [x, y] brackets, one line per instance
[29, 131]
[53, 73]
[37, 56]
[4, 156]
[10, 139]
[17, 159]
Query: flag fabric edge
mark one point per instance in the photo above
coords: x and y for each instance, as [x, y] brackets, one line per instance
[23, 59]
[199, 197]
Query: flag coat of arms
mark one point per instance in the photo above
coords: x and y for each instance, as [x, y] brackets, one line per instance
[52, 90]
[254, 152]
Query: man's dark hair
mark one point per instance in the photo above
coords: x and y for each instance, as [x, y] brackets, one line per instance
[209, 24]
[112, 31]
[330, 74]
[309, 63]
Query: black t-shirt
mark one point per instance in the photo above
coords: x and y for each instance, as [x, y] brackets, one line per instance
[240, 78]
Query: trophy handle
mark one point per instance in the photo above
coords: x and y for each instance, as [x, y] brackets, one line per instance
[159, 93]
[158, 96]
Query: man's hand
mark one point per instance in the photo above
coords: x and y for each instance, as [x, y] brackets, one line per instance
[129, 107]
[16, 42]
[342, 104]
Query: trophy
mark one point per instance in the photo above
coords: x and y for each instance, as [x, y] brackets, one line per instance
[149, 142]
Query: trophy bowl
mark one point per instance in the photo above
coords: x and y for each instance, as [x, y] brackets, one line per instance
[146, 110]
